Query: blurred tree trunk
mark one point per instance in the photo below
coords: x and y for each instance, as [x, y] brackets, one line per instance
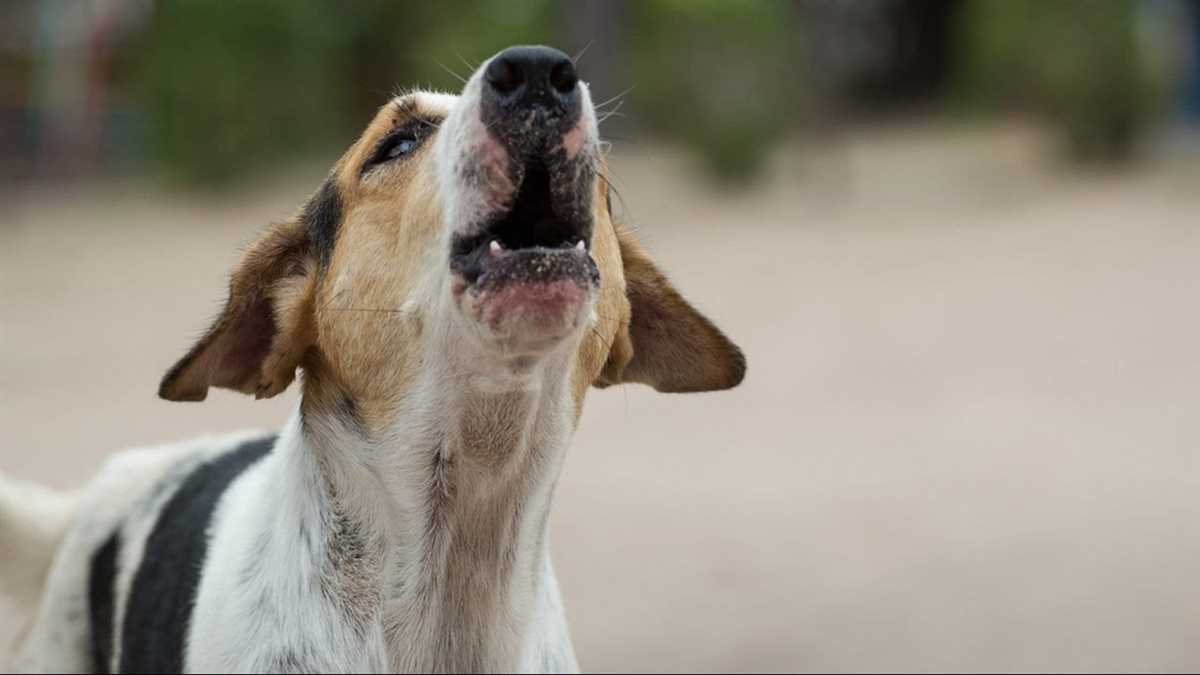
[595, 31]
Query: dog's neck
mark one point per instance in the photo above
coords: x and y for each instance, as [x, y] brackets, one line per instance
[436, 525]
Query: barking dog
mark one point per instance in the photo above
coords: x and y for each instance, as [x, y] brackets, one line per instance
[449, 295]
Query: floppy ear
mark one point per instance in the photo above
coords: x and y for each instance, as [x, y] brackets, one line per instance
[257, 342]
[669, 344]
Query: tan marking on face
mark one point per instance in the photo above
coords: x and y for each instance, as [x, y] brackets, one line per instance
[368, 332]
[370, 317]
[608, 330]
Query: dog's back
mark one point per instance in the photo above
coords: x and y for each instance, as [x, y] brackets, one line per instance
[81, 564]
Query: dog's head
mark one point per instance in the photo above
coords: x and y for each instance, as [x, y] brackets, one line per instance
[475, 226]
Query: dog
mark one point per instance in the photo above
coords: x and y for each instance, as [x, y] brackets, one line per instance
[448, 295]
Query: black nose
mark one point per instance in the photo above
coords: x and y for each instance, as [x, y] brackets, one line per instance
[532, 76]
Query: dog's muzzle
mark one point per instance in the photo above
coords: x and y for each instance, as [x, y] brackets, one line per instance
[521, 257]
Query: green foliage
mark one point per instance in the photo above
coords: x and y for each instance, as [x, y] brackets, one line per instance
[721, 76]
[1076, 62]
[212, 85]
[431, 45]
[229, 87]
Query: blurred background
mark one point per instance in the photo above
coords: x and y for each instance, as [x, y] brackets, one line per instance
[959, 241]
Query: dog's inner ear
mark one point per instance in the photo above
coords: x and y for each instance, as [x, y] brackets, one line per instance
[256, 343]
[669, 345]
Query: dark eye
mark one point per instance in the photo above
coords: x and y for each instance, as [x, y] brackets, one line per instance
[400, 143]
[402, 146]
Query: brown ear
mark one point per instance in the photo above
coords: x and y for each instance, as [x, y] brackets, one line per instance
[675, 348]
[257, 342]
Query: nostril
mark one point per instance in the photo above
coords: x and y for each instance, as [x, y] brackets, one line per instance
[521, 78]
[504, 76]
[563, 77]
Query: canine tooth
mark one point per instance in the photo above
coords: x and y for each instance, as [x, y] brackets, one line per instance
[496, 246]
[580, 246]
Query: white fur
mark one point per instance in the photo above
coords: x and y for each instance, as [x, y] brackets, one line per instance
[33, 520]
[229, 633]
[58, 640]
[263, 603]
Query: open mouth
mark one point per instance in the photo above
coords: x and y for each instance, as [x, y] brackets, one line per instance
[544, 236]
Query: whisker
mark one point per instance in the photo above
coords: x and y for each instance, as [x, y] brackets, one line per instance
[625, 392]
[607, 343]
[615, 111]
[447, 69]
[620, 199]
[490, 125]
[466, 63]
[614, 98]
[329, 302]
[604, 317]
[575, 59]
[367, 309]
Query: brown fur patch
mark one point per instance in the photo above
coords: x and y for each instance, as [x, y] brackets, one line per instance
[367, 342]
[675, 348]
[607, 339]
[258, 340]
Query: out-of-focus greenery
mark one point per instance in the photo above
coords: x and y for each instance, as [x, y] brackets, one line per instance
[1076, 62]
[232, 86]
[228, 87]
[225, 95]
[722, 76]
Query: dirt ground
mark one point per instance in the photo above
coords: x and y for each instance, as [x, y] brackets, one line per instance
[968, 440]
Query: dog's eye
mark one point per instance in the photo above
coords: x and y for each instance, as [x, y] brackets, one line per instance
[395, 146]
[401, 146]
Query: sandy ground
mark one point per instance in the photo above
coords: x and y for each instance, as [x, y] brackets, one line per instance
[968, 439]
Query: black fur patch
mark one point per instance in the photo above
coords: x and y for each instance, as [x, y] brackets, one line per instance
[323, 216]
[102, 579]
[163, 595]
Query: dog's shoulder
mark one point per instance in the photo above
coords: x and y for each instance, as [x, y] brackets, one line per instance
[159, 591]
[139, 481]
